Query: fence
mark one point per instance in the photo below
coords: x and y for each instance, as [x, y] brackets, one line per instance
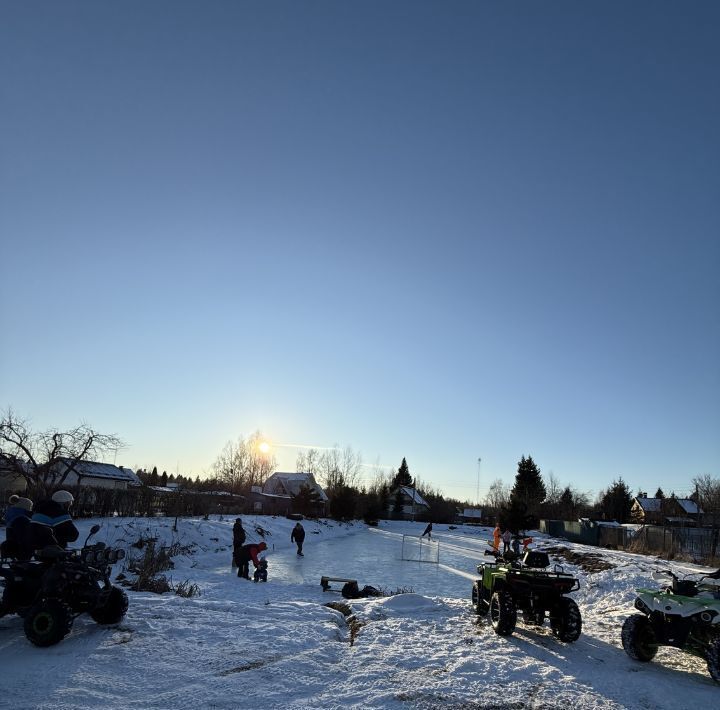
[700, 544]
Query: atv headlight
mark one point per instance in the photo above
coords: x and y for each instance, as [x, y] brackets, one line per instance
[89, 557]
[100, 557]
[121, 554]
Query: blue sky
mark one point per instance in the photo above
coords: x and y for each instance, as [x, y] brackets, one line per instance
[439, 230]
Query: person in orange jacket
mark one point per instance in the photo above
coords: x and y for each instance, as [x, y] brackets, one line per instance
[497, 534]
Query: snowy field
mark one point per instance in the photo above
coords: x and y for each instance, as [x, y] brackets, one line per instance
[276, 645]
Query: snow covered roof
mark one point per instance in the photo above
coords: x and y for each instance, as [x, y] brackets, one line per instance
[103, 470]
[689, 506]
[414, 496]
[291, 483]
[650, 505]
[472, 513]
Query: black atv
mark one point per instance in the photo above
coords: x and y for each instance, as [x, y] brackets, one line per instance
[513, 583]
[59, 585]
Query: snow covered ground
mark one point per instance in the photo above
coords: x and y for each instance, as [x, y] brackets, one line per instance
[276, 645]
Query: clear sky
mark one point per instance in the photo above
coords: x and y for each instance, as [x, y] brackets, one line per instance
[440, 230]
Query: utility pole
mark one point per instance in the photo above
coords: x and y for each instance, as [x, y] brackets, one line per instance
[477, 494]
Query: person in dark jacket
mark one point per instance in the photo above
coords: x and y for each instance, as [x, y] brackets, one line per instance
[297, 536]
[245, 554]
[17, 523]
[238, 538]
[51, 523]
[428, 531]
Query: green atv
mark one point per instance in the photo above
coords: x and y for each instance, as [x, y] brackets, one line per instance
[512, 583]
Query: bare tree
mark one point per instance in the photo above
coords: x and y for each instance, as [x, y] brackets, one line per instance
[243, 464]
[498, 495]
[339, 468]
[44, 459]
[707, 495]
[308, 461]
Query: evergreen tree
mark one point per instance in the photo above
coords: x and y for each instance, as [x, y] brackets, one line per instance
[529, 489]
[154, 477]
[567, 504]
[616, 502]
[398, 504]
[402, 477]
[659, 493]
[164, 479]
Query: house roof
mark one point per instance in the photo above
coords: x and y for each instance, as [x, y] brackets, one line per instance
[414, 496]
[689, 506]
[291, 483]
[104, 470]
[654, 505]
[650, 505]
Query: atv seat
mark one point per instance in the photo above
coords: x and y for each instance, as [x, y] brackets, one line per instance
[536, 559]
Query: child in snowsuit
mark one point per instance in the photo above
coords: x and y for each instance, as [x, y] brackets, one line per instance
[297, 536]
[247, 553]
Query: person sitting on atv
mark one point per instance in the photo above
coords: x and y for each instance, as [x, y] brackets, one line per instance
[17, 522]
[51, 523]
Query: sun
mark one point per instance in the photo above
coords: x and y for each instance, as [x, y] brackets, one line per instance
[264, 447]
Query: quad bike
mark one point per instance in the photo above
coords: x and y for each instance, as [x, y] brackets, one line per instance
[513, 583]
[684, 614]
[49, 592]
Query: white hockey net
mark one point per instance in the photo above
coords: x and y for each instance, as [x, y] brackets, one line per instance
[420, 549]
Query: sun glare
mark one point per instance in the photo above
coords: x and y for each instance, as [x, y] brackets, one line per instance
[264, 447]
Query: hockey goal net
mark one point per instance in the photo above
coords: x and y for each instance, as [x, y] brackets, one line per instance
[420, 549]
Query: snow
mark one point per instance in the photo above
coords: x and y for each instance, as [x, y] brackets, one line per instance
[276, 645]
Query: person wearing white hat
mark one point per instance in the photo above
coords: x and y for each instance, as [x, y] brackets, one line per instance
[51, 522]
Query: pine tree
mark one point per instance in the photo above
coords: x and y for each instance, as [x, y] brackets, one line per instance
[529, 489]
[659, 493]
[402, 477]
[616, 502]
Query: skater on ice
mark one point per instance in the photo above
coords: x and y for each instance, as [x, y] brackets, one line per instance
[297, 536]
[428, 532]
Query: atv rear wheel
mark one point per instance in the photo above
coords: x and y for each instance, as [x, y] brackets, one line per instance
[48, 622]
[479, 604]
[114, 609]
[503, 614]
[639, 639]
[713, 659]
[566, 620]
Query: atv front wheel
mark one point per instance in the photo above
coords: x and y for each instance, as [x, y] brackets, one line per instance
[114, 608]
[566, 621]
[503, 614]
[713, 659]
[479, 604]
[48, 622]
[638, 638]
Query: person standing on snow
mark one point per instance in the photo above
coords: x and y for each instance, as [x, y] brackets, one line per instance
[506, 539]
[297, 536]
[428, 532]
[247, 553]
[497, 534]
[238, 538]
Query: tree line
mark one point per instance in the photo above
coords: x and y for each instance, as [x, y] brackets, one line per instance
[242, 464]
